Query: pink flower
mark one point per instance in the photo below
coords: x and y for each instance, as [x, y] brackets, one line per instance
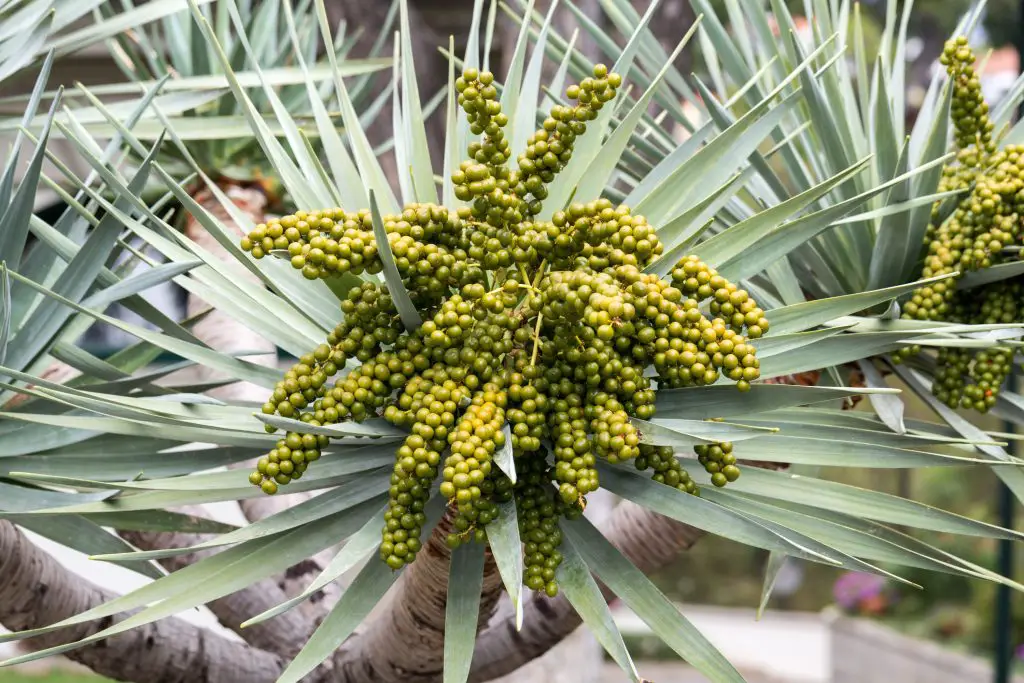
[854, 588]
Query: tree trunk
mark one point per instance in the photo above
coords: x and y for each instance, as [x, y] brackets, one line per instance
[405, 643]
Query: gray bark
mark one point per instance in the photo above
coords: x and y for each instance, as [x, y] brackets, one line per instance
[405, 642]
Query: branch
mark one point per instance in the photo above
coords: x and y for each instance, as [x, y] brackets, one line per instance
[284, 636]
[37, 591]
[405, 643]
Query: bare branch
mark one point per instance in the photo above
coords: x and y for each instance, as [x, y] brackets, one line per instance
[37, 591]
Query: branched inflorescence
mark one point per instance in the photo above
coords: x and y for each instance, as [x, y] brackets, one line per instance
[975, 236]
[536, 342]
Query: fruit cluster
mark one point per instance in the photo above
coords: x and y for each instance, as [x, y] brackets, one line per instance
[974, 236]
[537, 338]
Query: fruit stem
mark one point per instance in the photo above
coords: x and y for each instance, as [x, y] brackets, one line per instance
[536, 340]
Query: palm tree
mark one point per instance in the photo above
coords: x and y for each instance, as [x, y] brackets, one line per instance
[716, 195]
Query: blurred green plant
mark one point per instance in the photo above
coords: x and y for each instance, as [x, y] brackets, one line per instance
[949, 609]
